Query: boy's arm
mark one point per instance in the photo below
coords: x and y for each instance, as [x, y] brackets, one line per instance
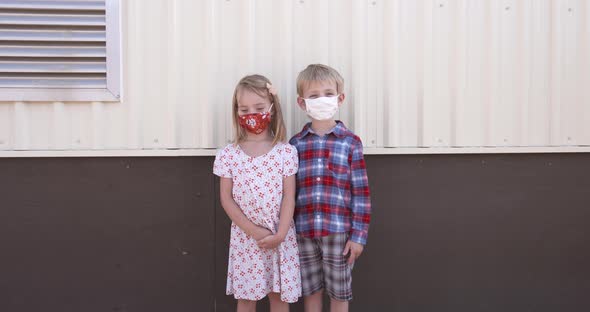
[361, 200]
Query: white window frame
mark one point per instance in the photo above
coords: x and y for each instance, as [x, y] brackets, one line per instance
[113, 90]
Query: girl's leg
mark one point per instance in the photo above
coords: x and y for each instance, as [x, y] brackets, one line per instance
[276, 305]
[246, 305]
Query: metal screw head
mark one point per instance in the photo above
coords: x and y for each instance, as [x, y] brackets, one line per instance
[374, 2]
[569, 9]
[507, 8]
[441, 5]
[155, 140]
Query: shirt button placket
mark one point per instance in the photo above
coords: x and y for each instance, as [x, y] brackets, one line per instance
[320, 172]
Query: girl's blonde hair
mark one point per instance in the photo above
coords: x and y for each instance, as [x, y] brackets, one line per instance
[258, 85]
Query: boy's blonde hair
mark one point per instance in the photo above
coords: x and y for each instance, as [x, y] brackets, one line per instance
[257, 84]
[319, 72]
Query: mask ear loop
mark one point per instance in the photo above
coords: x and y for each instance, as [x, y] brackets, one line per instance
[270, 107]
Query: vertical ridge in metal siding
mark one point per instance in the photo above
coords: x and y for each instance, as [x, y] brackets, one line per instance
[557, 44]
[571, 122]
[438, 85]
[585, 72]
[7, 126]
[283, 58]
[174, 70]
[374, 112]
[539, 92]
[359, 92]
[60, 127]
[505, 112]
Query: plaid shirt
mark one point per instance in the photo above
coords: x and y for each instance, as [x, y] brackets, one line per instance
[332, 185]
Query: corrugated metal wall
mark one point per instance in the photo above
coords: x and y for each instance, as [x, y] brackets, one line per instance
[419, 73]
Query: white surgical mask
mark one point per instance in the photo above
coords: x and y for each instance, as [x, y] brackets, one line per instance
[322, 108]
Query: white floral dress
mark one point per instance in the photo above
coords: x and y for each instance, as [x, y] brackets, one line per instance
[253, 272]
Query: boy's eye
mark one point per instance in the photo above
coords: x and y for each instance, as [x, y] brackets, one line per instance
[313, 96]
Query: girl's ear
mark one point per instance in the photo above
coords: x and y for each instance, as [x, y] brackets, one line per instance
[301, 102]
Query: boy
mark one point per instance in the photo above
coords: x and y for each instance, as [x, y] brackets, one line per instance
[333, 207]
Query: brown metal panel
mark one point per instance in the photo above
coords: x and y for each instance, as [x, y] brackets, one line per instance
[449, 233]
[106, 234]
[477, 233]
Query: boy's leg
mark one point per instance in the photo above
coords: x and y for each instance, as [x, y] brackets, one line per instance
[246, 305]
[337, 272]
[276, 304]
[313, 302]
[312, 277]
[338, 306]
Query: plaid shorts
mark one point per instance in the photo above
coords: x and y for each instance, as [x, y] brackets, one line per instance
[324, 266]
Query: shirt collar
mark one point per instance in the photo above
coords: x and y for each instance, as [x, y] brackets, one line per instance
[339, 130]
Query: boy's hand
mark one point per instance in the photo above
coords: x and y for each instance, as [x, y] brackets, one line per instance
[270, 242]
[355, 250]
[261, 233]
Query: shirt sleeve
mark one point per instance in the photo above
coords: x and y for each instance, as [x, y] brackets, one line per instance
[361, 200]
[290, 161]
[221, 166]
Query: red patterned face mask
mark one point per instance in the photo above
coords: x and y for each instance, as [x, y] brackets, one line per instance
[256, 122]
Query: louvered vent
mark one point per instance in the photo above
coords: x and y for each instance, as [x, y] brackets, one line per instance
[53, 44]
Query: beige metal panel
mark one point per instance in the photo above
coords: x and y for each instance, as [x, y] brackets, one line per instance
[448, 73]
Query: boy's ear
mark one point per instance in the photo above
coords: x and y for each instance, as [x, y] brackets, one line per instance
[301, 102]
[341, 98]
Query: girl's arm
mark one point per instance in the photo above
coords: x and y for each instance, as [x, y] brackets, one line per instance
[236, 214]
[285, 217]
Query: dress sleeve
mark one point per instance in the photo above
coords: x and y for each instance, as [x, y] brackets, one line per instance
[290, 161]
[221, 166]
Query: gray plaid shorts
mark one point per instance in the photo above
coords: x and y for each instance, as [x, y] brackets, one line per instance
[324, 266]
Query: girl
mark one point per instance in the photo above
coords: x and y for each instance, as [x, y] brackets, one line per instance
[257, 189]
